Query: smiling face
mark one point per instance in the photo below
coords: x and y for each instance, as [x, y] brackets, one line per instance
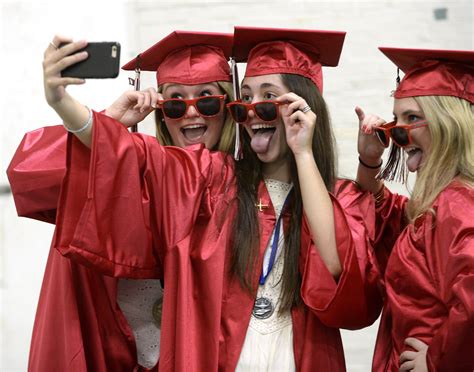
[268, 139]
[193, 128]
[407, 112]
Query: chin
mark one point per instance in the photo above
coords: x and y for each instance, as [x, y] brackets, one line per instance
[267, 157]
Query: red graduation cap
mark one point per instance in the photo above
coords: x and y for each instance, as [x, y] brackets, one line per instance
[434, 72]
[278, 50]
[187, 57]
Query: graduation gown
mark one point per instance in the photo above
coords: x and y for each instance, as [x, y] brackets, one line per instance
[78, 325]
[429, 281]
[148, 204]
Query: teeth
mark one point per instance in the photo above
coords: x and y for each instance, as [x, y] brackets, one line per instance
[262, 126]
[194, 126]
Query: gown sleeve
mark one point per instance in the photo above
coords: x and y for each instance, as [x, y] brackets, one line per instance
[389, 223]
[36, 172]
[141, 199]
[357, 287]
[452, 263]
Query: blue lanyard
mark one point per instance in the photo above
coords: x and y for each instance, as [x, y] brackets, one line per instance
[276, 238]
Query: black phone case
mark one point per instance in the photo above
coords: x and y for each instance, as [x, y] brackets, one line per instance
[103, 62]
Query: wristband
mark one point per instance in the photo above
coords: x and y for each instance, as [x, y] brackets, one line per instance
[370, 166]
[86, 125]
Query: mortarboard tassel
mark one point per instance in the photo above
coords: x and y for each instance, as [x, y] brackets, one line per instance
[238, 155]
[136, 85]
[395, 169]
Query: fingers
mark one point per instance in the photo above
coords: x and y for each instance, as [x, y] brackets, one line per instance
[370, 122]
[56, 43]
[407, 355]
[407, 366]
[55, 67]
[297, 109]
[360, 113]
[146, 100]
[57, 58]
[154, 97]
[54, 82]
[416, 344]
[299, 116]
[62, 46]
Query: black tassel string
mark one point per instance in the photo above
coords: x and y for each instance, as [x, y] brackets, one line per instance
[395, 168]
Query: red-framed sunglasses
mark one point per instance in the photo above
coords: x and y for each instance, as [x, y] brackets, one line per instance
[400, 134]
[265, 110]
[206, 106]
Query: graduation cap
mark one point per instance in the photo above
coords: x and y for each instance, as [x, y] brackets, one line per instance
[187, 57]
[431, 72]
[278, 50]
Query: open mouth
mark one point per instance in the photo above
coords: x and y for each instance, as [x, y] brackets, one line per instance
[262, 136]
[194, 132]
[414, 159]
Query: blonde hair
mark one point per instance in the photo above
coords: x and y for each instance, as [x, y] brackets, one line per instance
[227, 138]
[451, 125]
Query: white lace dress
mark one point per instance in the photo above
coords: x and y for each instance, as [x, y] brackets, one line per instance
[268, 344]
[136, 299]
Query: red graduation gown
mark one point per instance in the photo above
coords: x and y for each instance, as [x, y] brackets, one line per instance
[147, 203]
[429, 282]
[78, 325]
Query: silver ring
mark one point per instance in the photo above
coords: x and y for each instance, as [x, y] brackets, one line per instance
[306, 109]
[53, 45]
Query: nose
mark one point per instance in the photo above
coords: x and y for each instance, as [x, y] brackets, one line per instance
[251, 113]
[191, 111]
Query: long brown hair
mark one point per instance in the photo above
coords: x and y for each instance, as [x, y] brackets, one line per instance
[226, 141]
[246, 239]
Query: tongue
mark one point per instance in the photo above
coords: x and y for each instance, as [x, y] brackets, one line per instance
[261, 141]
[414, 160]
[194, 134]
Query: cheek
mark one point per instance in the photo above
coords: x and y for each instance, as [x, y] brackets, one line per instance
[173, 130]
[422, 138]
[215, 126]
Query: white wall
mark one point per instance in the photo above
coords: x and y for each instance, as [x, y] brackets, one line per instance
[26, 28]
[365, 77]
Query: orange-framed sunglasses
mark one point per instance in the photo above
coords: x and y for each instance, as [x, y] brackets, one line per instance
[265, 110]
[400, 134]
[206, 106]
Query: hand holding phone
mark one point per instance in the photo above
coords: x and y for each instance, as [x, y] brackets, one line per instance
[103, 62]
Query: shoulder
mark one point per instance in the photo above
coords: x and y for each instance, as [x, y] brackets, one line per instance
[455, 201]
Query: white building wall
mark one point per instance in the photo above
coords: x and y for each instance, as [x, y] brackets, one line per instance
[365, 77]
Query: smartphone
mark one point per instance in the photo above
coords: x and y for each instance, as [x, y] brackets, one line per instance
[103, 62]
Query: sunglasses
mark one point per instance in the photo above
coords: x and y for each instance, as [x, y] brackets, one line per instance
[206, 106]
[264, 110]
[400, 134]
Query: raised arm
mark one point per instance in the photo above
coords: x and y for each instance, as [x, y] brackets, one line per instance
[130, 108]
[316, 200]
[370, 152]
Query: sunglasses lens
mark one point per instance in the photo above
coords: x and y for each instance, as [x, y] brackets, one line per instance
[399, 135]
[208, 106]
[267, 111]
[382, 137]
[239, 113]
[174, 109]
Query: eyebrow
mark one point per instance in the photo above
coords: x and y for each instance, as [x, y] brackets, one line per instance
[204, 85]
[410, 111]
[262, 86]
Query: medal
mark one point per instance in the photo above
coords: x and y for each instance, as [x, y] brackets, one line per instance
[263, 308]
